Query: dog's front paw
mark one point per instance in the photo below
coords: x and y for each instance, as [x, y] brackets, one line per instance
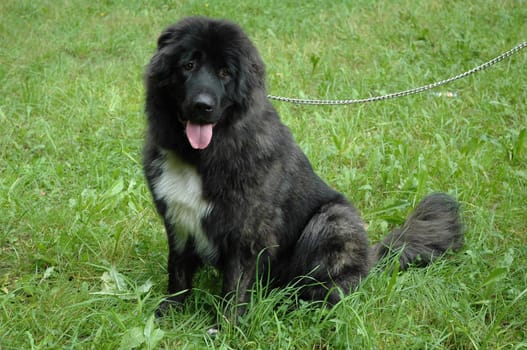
[167, 306]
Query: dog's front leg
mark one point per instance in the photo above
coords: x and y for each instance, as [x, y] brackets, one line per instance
[181, 268]
[238, 277]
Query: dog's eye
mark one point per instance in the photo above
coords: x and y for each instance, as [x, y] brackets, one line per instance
[189, 65]
[224, 73]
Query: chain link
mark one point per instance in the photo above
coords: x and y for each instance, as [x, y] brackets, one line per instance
[413, 91]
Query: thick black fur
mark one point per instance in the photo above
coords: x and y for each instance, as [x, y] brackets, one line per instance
[250, 200]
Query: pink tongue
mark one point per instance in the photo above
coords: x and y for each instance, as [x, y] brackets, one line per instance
[199, 135]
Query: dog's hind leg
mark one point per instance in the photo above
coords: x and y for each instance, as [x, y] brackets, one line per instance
[331, 254]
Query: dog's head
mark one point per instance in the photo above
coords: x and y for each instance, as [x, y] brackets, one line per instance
[204, 72]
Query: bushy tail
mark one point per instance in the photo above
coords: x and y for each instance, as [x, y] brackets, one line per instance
[433, 228]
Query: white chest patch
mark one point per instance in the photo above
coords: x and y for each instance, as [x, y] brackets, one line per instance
[179, 185]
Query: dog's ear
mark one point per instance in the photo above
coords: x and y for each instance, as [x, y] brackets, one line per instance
[158, 67]
[256, 67]
[166, 37]
[250, 87]
[159, 64]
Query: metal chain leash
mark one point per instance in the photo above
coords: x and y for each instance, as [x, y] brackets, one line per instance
[481, 67]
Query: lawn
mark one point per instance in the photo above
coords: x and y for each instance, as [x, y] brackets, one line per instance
[83, 253]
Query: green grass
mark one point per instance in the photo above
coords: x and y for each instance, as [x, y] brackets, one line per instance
[82, 252]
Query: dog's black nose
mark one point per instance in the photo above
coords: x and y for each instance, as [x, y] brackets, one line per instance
[204, 103]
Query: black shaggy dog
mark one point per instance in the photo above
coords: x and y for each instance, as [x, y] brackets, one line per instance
[235, 190]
